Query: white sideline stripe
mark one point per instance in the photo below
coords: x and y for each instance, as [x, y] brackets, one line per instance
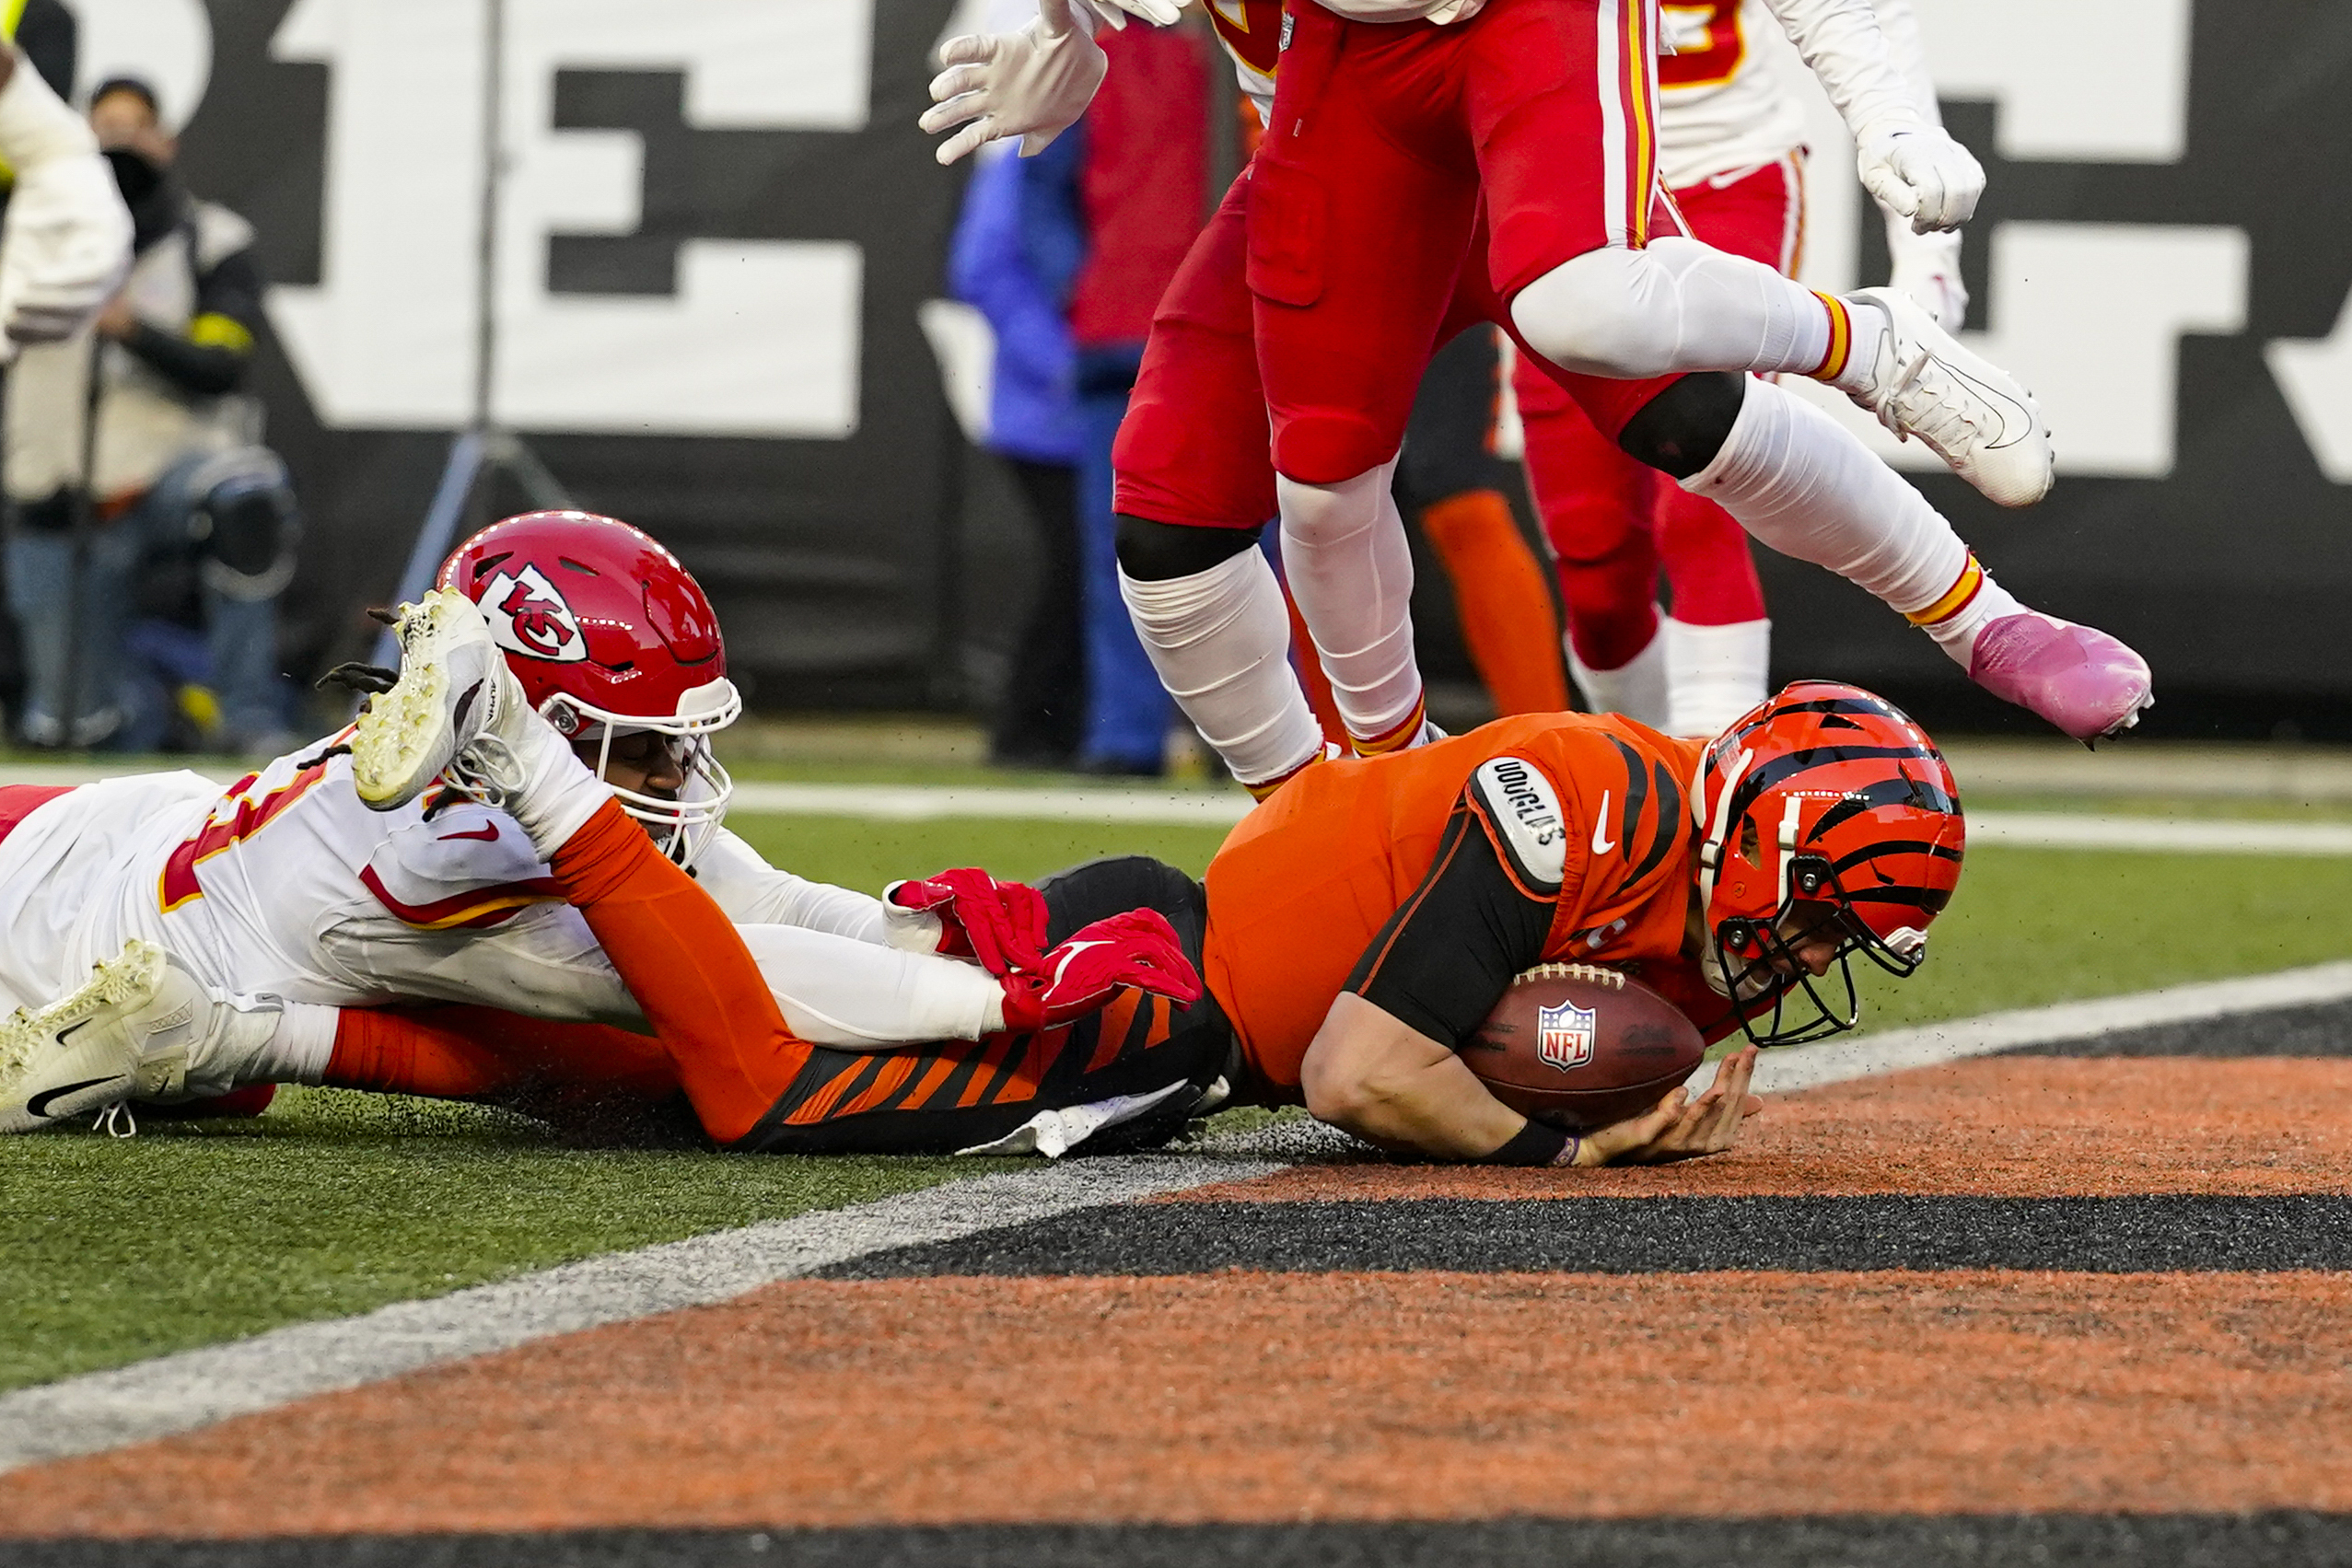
[1222, 808]
[1783, 1071]
[179, 1393]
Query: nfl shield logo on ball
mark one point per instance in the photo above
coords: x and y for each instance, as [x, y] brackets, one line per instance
[1564, 1034]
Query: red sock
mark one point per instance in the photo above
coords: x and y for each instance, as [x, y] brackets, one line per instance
[680, 958]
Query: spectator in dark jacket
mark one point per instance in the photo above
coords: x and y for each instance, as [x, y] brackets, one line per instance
[1015, 264]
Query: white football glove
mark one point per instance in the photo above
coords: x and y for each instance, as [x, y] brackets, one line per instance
[66, 246]
[1158, 13]
[1922, 173]
[1927, 267]
[1032, 83]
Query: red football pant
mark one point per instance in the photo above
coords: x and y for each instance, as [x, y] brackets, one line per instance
[1613, 522]
[1367, 197]
[1193, 450]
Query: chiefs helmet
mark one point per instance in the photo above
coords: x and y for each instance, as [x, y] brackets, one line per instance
[1823, 797]
[610, 635]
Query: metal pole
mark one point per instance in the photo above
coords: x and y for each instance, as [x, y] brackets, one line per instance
[84, 506]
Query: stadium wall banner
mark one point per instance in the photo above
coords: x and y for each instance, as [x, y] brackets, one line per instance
[721, 243]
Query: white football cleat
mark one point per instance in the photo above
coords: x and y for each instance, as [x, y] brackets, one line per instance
[1964, 408]
[448, 692]
[141, 1028]
[459, 714]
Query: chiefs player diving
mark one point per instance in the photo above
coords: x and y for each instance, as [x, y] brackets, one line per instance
[1434, 163]
[1351, 932]
[285, 897]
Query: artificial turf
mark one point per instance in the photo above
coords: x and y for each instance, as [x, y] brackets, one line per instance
[335, 1204]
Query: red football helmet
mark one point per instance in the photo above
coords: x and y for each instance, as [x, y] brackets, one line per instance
[610, 635]
[1822, 795]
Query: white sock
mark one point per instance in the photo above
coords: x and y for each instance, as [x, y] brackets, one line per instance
[1675, 305]
[1351, 571]
[1636, 688]
[1713, 674]
[1801, 483]
[1220, 640]
[1956, 633]
[560, 792]
[299, 1051]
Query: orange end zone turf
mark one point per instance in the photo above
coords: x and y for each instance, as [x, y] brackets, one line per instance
[1242, 1397]
[2023, 1126]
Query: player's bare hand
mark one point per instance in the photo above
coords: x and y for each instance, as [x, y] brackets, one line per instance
[1679, 1127]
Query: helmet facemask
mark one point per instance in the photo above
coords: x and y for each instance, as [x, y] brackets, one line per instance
[1751, 959]
[680, 827]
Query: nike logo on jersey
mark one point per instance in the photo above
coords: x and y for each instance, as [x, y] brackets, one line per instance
[1600, 844]
[39, 1105]
[487, 832]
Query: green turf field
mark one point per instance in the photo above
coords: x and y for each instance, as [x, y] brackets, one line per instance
[333, 1204]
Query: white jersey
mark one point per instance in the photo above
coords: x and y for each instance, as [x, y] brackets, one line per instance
[286, 885]
[1721, 107]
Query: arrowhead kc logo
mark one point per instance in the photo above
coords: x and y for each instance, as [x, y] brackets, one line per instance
[1564, 1034]
[530, 617]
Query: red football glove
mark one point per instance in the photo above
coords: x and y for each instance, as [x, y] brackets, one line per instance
[1000, 925]
[1137, 949]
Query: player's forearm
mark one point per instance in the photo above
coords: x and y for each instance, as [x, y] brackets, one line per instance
[1369, 1074]
[1908, 52]
[858, 996]
[1842, 44]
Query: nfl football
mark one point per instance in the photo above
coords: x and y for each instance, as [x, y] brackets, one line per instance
[1580, 1046]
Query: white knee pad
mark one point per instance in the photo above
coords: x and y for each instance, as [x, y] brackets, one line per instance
[1674, 305]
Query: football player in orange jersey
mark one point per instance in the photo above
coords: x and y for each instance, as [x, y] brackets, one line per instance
[1351, 932]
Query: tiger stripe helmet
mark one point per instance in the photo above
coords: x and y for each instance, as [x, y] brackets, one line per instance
[1822, 795]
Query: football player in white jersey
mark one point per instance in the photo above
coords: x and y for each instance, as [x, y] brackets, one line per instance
[287, 896]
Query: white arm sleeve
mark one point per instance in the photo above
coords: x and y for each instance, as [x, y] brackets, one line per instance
[1924, 264]
[544, 962]
[1843, 45]
[857, 996]
[752, 892]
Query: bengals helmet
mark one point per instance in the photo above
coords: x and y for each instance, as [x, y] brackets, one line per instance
[610, 635]
[1826, 799]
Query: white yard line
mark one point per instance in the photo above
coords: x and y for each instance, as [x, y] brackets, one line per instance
[194, 1388]
[1222, 808]
[1781, 1071]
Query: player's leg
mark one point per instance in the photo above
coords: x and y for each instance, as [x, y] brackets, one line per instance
[144, 1027]
[1196, 486]
[1451, 475]
[1797, 481]
[1717, 642]
[1355, 247]
[1568, 172]
[1596, 503]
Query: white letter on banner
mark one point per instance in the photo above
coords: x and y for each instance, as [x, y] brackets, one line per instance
[761, 337]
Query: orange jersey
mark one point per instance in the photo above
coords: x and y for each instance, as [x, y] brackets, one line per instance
[1302, 889]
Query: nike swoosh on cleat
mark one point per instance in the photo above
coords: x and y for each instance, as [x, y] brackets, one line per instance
[1600, 844]
[39, 1105]
[2016, 423]
[465, 706]
[487, 833]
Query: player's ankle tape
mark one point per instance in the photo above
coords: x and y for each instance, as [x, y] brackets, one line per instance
[1533, 1144]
